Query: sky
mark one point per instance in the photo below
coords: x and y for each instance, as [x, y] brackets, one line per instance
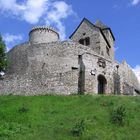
[17, 17]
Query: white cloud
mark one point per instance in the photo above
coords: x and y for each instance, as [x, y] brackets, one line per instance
[137, 72]
[34, 10]
[59, 10]
[49, 11]
[30, 11]
[10, 39]
[135, 2]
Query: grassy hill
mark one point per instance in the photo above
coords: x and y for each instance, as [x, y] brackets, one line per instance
[69, 118]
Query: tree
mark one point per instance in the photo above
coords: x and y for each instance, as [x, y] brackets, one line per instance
[3, 57]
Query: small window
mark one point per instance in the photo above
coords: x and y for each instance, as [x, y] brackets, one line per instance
[81, 41]
[79, 59]
[85, 41]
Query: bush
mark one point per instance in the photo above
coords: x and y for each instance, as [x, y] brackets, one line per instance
[78, 128]
[118, 116]
[23, 109]
[3, 56]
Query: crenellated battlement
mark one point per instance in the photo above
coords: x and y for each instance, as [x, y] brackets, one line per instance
[45, 28]
[43, 34]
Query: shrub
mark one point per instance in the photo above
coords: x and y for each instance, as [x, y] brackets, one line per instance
[23, 109]
[78, 128]
[118, 116]
[3, 56]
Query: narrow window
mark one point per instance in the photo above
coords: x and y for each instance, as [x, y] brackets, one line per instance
[87, 41]
[81, 41]
[79, 58]
[107, 50]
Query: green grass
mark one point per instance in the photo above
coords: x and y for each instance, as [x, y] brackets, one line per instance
[60, 117]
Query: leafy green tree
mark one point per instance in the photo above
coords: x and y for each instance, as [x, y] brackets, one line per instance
[3, 57]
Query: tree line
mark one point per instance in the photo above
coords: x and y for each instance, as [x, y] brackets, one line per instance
[3, 56]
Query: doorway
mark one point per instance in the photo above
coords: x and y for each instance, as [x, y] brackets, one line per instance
[101, 84]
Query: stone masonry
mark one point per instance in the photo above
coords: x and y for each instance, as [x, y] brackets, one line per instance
[84, 64]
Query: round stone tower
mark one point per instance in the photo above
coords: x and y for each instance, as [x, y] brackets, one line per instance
[43, 34]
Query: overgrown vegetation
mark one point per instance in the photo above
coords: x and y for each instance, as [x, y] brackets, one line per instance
[69, 118]
[23, 109]
[78, 128]
[118, 116]
[3, 57]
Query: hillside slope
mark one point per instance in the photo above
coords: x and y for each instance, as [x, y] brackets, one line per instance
[69, 118]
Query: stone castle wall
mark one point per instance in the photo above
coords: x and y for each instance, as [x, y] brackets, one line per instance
[54, 68]
[17, 59]
[129, 80]
[45, 65]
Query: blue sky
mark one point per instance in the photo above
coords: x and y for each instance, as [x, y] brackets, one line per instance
[17, 17]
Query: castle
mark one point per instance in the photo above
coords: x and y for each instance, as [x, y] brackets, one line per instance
[84, 64]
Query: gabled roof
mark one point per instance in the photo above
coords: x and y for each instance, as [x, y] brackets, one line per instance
[101, 29]
[110, 32]
[99, 24]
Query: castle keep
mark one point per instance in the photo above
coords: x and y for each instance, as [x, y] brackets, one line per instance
[84, 64]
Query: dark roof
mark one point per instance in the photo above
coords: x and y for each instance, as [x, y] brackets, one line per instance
[77, 27]
[101, 29]
[99, 24]
[110, 32]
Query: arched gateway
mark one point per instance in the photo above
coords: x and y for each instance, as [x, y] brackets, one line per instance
[101, 84]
